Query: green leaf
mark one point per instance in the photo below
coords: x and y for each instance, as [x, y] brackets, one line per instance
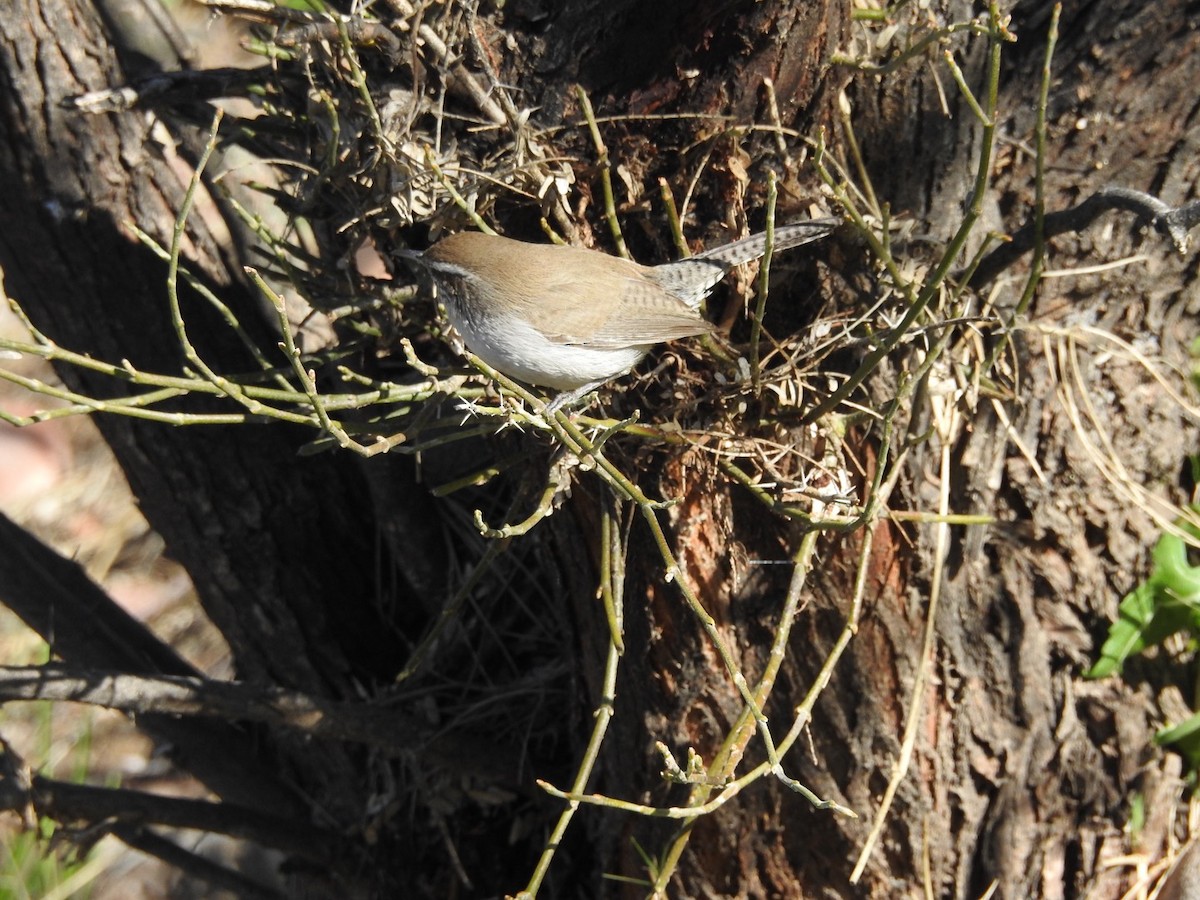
[1164, 604]
[1184, 738]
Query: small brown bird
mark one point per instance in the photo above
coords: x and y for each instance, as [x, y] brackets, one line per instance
[571, 319]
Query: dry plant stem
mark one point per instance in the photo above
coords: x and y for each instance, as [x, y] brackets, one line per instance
[462, 77]
[356, 31]
[1037, 264]
[410, 356]
[917, 386]
[947, 423]
[727, 793]
[267, 10]
[879, 244]
[870, 15]
[459, 200]
[863, 180]
[586, 449]
[825, 521]
[727, 758]
[293, 264]
[916, 309]
[170, 89]
[933, 518]
[877, 495]
[228, 388]
[512, 115]
[612, 590]
[179, 385]
[705, 159]
[384, 443]
[422, 653]
[764, 277]
[1186, 406]
[222, 308]
[1075, 392]
[358, 80]
[646, 431]
[1014, 438]
[570, 435]
[776, 126]
[288, 346]
[422, 446]
[132, 407]
[610, 205]
[171, 385]
[876, 499]
[918, 49]
[803, 712]
[986, 246]
[255, 398]
[642, 430]
[674, 572]
[1099, 268]
[839, 182]
[963, 88]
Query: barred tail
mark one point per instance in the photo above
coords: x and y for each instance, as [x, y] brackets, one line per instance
[786, 236]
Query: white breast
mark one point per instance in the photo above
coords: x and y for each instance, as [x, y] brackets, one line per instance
[520, 351]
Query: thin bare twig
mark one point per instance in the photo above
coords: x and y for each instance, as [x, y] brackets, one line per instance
[1174, 223]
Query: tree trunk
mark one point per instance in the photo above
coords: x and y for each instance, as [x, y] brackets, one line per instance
[325, 571]
[279, 548]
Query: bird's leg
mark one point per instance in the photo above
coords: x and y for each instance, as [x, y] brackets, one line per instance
[566, 398]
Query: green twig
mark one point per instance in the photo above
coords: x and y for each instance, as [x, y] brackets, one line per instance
[612, 587]
[764, 278]
[1038, 262]
[931, 287]
[610, 204]
[733, 749]
[459, 200]
[307, 384]
[612, 576]
[544, 507]
[965, 90]
[673, 222]
[358, 80]
[221, 307]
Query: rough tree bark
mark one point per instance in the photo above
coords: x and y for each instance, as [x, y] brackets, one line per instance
[247, 519]
[1021, 772]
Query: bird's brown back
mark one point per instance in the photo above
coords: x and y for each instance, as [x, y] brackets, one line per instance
[575, 296]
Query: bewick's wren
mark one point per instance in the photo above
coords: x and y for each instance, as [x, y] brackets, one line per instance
[571, 319]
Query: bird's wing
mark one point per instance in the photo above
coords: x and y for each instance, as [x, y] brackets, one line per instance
[643, 314]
